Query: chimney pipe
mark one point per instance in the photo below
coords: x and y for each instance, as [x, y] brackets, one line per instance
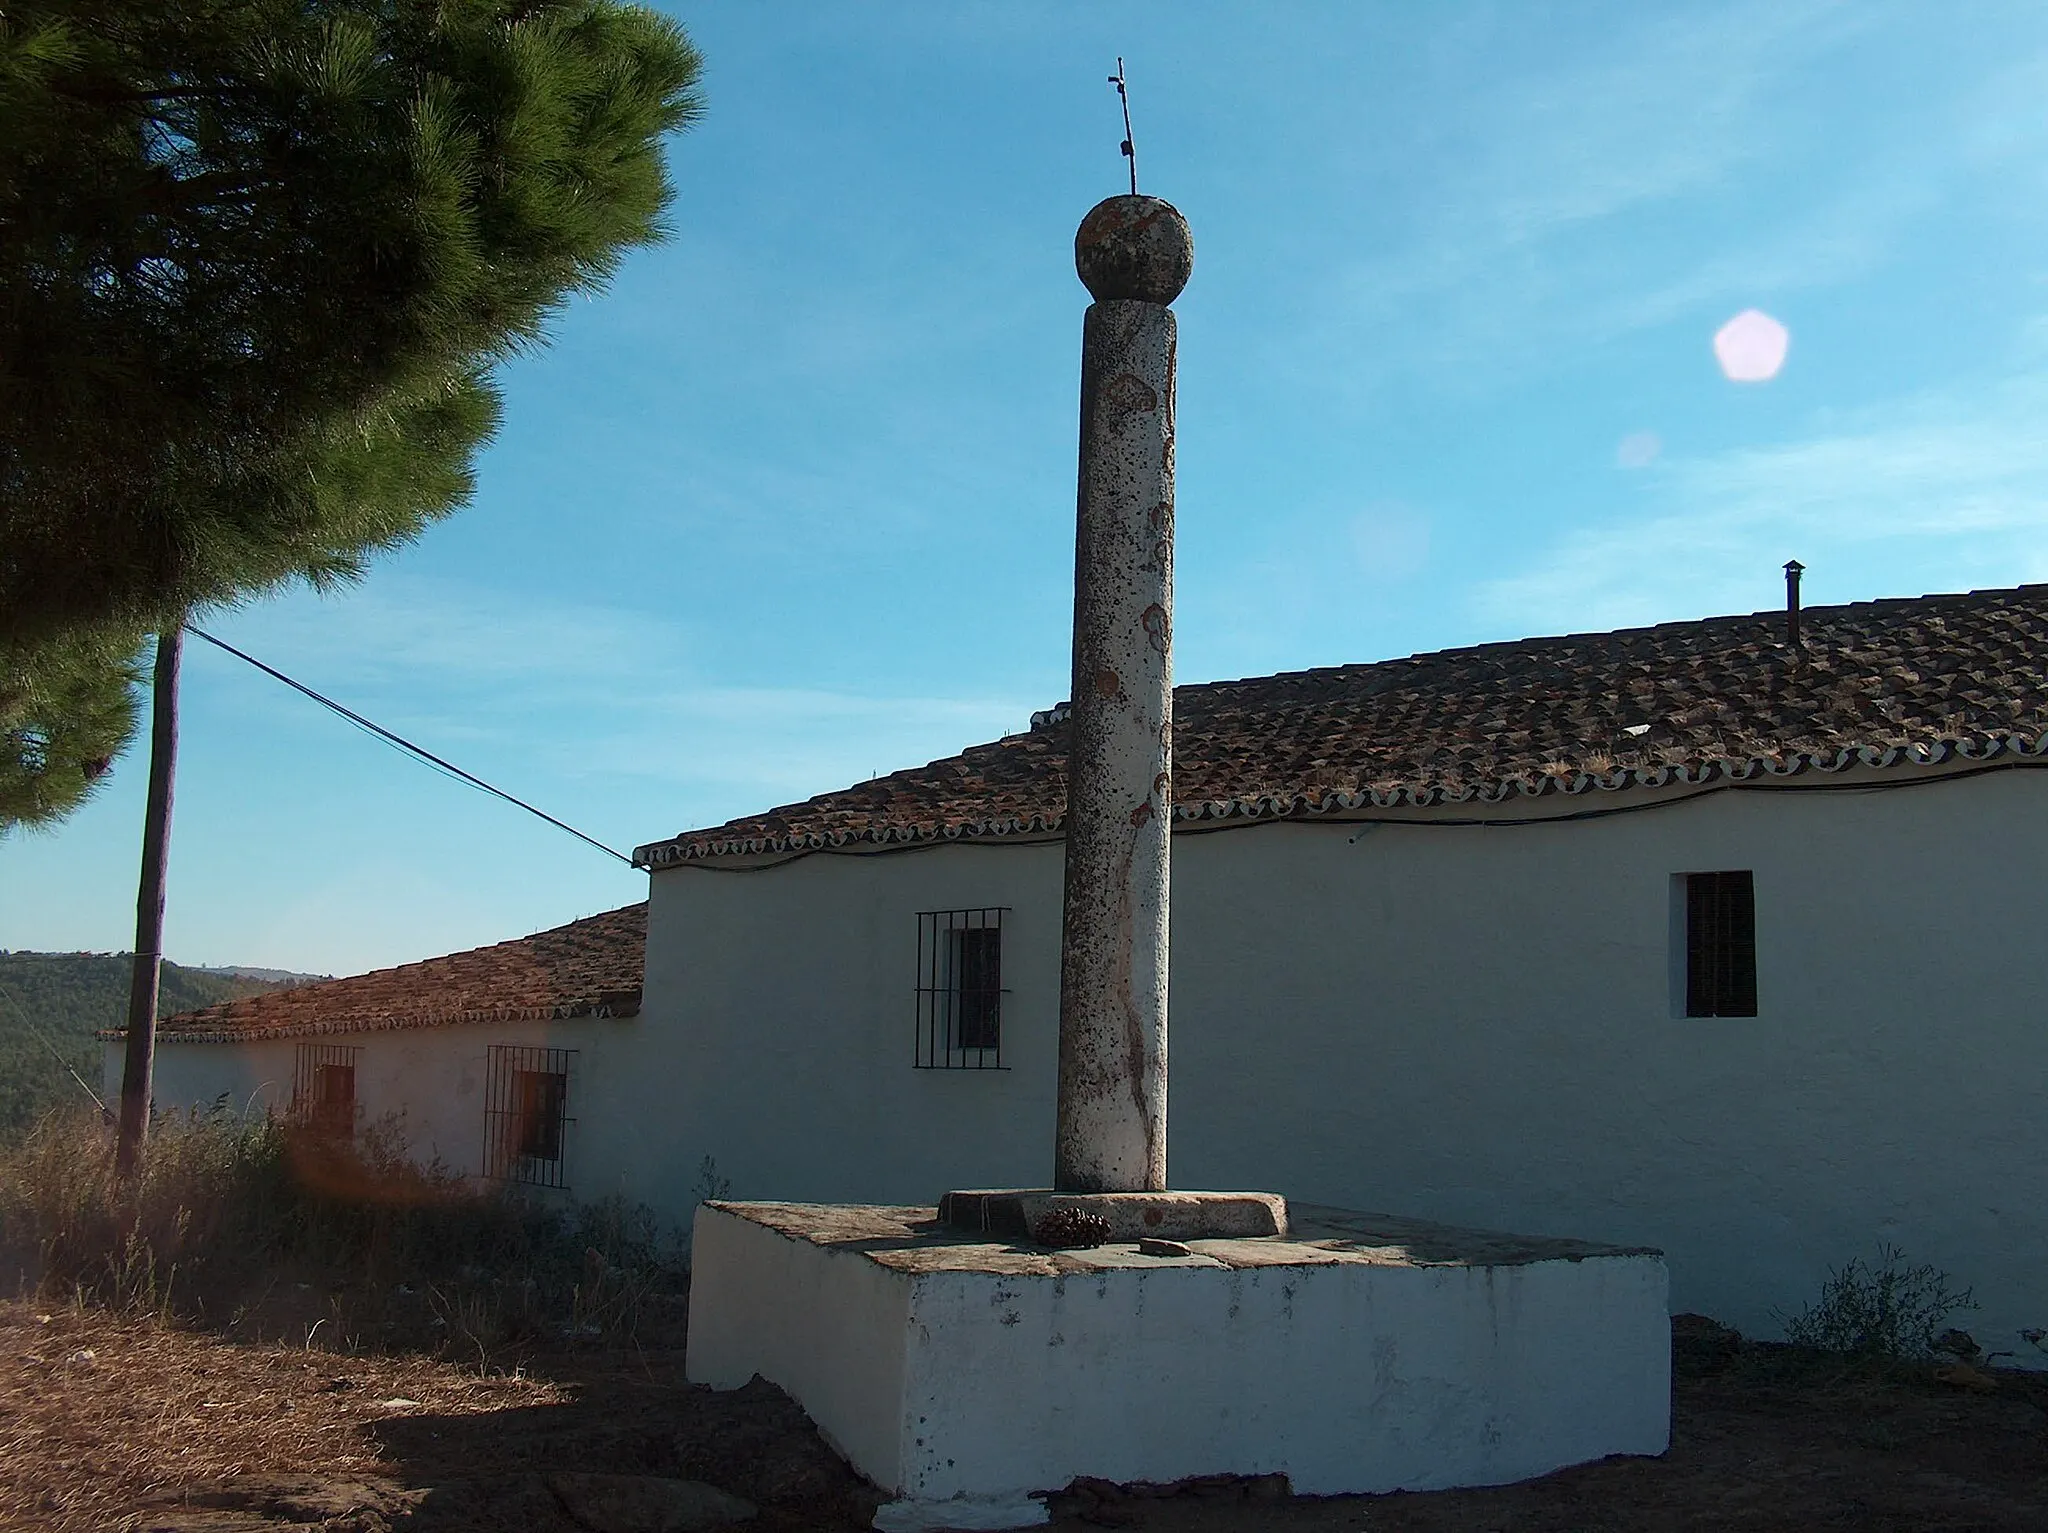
[1793, 568]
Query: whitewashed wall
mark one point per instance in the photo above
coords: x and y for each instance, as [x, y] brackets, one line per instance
[1476, 1025]
[781, 1018]
[428, 1084]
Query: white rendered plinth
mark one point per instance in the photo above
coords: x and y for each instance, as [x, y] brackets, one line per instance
[1359, 1353]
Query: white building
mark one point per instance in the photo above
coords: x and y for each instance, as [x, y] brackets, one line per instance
[1677, 936]
[474, 1061]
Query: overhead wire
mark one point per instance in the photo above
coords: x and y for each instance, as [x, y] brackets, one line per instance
[44, 1039]
[399, 742]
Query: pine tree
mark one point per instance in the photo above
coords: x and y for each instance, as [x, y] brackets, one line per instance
[257, 261]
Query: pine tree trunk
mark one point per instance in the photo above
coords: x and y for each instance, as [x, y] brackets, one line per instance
[140, 1063]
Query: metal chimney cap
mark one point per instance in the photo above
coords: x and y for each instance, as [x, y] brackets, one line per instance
[1793, 566]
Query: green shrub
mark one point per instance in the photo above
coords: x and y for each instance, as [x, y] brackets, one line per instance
[1883, 1310]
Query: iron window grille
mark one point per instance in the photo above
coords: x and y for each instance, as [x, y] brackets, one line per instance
[960, 989]
[526, 1115]
[324, 1088]
[1720, 944]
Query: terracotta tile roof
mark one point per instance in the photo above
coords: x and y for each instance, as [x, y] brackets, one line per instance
[588, 968]
[1912, 680]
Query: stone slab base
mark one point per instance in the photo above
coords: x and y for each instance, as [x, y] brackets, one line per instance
[1013, 1214]
[1361, 1353]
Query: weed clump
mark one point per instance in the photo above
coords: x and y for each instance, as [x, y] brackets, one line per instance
[1884, 1309]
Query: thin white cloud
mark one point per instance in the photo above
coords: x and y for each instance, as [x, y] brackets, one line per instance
[1671, 108]
[757, 746]
[1958, 483]
[1506, 243]
[1390, 539]
[1514, 261]
[2004, 121]
[1834, 241]
[403, 626]
[590, 702]
[1639, 449]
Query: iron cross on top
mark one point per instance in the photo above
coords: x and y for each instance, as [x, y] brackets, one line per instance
[1130, 149]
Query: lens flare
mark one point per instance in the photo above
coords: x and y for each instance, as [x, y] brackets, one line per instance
[1751, 347]
[1639, 449]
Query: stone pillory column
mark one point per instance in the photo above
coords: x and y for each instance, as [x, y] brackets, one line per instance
[1519, 1356]
[1135, 255]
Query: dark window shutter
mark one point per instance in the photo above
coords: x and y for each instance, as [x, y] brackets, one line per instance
[541, 1097]
[337, 1087]
[1699, 946]
[1720, 944]
[981, 987]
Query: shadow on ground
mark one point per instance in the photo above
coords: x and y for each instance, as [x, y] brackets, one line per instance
[551, 1466]
[633, 1448]
[222, 1437]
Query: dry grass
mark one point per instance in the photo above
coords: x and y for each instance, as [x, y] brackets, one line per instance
[101, 1415]
[259, 1302]
[265, 1334]
[227, 1210]
[167, 1428]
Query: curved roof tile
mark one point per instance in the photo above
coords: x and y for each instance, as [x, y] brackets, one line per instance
[589, 968]
[1911, 680]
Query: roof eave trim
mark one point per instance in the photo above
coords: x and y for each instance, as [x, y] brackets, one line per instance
[709, 846]
[614, 1010]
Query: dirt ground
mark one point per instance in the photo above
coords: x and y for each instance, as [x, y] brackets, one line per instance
[108, 1424]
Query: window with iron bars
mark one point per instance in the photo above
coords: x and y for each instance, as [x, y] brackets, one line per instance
[960, 989]
[324, 1089]
[1720, 944]
[526, 1115]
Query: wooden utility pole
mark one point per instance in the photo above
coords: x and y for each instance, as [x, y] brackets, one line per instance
[140, 1062]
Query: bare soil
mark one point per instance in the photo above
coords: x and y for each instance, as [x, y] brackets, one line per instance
[132, 1425]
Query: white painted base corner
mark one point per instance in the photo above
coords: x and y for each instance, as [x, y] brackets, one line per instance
[1364, 1354]
[957, 1514]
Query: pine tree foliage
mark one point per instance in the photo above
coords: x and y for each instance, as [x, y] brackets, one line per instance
[257, 261]
[256, 257]
[67, 708]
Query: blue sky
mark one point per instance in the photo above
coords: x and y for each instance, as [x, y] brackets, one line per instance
[792, 503]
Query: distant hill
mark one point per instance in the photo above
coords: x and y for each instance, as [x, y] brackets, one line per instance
[279, 976]
[51, 1004]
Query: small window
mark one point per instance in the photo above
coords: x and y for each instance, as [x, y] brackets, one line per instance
[324, 1089]
[978, 987]
[1720, 944]
[960, 989]
[542, 1096]
[526, 1115]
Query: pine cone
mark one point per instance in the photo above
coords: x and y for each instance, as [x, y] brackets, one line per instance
[1070, 1228]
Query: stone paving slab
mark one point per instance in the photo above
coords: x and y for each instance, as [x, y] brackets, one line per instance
[910, 1238]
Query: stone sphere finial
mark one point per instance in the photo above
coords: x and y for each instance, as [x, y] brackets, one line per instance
[1134, 247]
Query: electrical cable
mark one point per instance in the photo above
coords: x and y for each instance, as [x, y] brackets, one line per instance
[43, 1038]
[445, 768]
